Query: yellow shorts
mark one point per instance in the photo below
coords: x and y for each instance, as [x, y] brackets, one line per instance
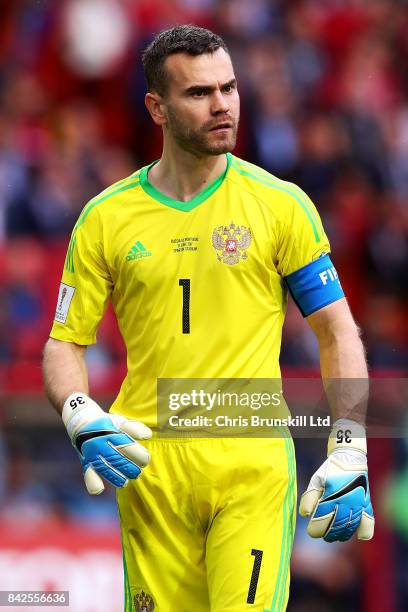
[209, 526]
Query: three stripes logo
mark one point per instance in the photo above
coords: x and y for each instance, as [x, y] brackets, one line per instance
[138, 251]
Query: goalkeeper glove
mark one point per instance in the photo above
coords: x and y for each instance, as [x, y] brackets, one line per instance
[338, 496]
[106, 443]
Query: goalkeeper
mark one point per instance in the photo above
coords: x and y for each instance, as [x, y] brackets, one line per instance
[197, 252]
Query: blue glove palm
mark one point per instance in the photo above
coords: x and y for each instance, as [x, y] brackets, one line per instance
[106, 443]
[338, 498]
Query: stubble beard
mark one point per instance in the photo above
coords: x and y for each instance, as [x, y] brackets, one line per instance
[201, 141]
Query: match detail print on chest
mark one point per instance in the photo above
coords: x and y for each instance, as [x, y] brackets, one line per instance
[230, 244]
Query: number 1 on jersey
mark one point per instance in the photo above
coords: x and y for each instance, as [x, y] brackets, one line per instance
[185, 283]
[255, 575]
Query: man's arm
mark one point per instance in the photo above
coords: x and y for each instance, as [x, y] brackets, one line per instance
[342, 361]
[341, 350]
[106, 443]
[64, 371]
[338, 496]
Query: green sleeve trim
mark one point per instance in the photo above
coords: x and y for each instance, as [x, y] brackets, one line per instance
[101, 198]
[177, 204]
[115, 186]
[290, 191]
[270, 178]
[69, 261]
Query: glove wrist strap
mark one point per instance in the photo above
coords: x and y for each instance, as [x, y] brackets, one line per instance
[347, 434]
[78, 410]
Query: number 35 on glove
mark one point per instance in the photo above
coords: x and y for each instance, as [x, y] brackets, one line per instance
[338, 496]
[106, 443]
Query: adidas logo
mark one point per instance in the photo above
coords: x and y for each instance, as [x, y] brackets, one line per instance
[138, 251]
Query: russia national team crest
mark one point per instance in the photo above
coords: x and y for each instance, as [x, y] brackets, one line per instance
[231, 242]
[143, 602]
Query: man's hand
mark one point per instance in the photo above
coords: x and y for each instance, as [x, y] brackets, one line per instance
[338, 496]
[106, 443]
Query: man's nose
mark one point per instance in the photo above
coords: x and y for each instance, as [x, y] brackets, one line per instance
[219, 103]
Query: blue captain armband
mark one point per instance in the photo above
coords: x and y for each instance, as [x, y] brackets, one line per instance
[315, 285]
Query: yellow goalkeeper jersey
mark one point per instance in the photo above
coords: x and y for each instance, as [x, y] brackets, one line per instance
[198, 287]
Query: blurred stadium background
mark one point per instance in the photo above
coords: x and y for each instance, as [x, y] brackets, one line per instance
[324, 91]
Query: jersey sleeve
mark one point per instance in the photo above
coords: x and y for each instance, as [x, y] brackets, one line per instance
[85, 286]
[301, 238]
[303, 258]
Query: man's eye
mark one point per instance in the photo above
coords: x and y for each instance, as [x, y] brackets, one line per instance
[199, 93]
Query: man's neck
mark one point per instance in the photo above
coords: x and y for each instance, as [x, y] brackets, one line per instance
[180, 175]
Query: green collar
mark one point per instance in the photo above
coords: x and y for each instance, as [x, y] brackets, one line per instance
[184, 206]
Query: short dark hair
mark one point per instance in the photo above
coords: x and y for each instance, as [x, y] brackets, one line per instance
[181, 39]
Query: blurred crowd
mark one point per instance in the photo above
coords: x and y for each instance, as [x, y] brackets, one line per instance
[324, 94]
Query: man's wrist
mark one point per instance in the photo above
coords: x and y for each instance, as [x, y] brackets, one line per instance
[347, 434]
[79, 409]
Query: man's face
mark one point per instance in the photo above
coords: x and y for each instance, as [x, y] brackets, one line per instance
[202, 102]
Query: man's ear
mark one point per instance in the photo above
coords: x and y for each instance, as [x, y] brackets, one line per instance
[155, 106]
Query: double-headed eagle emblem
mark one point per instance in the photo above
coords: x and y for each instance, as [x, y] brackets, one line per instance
[231, 242]
[143, 602]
